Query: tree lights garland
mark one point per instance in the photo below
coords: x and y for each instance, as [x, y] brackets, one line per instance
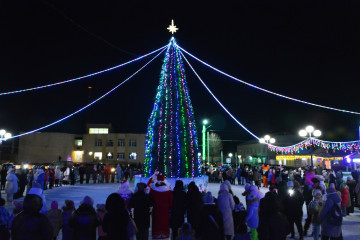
[171, 140]
[342, 146]
[327, 145]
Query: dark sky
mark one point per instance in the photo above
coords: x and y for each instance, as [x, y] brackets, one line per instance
[308, 50]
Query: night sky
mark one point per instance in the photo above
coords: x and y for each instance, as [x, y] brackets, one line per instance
[308, 50]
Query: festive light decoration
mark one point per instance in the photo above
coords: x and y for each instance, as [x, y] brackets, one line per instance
[343, 146]
[82, 77]
[93, 102]
[217, 100]
[265, 90]
[171, 141]
[351, 146]
[172, 28]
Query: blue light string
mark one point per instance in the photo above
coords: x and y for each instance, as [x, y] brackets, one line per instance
[88, 105]
[82, 77]
[227, 111]
[265, 90]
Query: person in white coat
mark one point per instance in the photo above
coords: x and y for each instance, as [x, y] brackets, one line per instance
[226, 205]
[11, 186]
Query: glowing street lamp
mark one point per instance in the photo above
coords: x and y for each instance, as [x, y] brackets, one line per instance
[310, 131]
[3, 137]
[205, 122]
[266, 140]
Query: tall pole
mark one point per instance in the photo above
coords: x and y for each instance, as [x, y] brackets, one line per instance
[208, 148]
[203, 143]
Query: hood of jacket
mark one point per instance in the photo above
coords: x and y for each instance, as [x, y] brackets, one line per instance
[32, 204]
[334, 197]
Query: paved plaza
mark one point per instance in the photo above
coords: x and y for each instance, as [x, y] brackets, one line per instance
[99, 192]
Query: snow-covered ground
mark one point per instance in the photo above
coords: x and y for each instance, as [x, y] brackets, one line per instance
[99, 192]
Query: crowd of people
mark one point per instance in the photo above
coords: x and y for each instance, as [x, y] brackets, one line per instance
[17, 182]
[186, 213]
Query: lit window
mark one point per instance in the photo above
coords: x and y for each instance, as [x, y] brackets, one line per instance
[98, 130]
[109, 143]
[132, 156]
[78, 142]
[120, 156]
[132, 143]
[98, 142]
[109, 156]
[121, 142]
[97, 155]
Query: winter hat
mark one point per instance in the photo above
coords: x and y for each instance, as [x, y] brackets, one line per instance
[10, 170]
[330, 190]
[290, 184]
[253, 188]
[54, 205]
[227, 182]
[208, 198]
[87, 200]
[36, 190]
[160, 177]
[316, 192]
[124, 188]
[224, 187]
[247, 187]
[69, 204]
[332, 185]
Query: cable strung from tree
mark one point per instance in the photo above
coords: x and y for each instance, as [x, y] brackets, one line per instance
[344, 146]
[85, 76]
[93, 102]
[265, 90]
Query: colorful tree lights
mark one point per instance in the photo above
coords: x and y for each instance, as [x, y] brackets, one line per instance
[171, 140]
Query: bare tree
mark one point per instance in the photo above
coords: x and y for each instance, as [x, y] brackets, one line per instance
[215, 145]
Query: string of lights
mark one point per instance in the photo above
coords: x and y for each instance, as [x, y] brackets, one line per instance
[85, 76]
[265, 90]
[217, 100]
[343, 146]
[93, 102]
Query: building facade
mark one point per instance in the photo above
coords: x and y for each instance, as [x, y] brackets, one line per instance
[99, 144]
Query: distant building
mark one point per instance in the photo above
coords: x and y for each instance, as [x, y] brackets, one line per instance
[254, 153]
[98, 144]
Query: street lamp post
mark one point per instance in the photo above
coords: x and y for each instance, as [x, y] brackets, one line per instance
[205, 143]
[230, 156]
[266, 140]
[3, 137]
[308, 131]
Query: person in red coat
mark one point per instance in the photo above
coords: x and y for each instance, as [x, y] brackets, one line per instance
[162, 202]
[51, 177]
[344, 197]
[107, 171]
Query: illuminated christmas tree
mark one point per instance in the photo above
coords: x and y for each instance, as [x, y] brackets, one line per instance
[171, 140]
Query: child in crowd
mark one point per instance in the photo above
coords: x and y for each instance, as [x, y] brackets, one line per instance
[18, 207]
[186, 232]
[4, 221]
[68, 209]
[101, 211]
[315, 208]
[252, 218]
[239, 216]
[55, 218]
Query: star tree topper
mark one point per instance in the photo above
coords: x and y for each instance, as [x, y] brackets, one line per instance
[172, 28]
